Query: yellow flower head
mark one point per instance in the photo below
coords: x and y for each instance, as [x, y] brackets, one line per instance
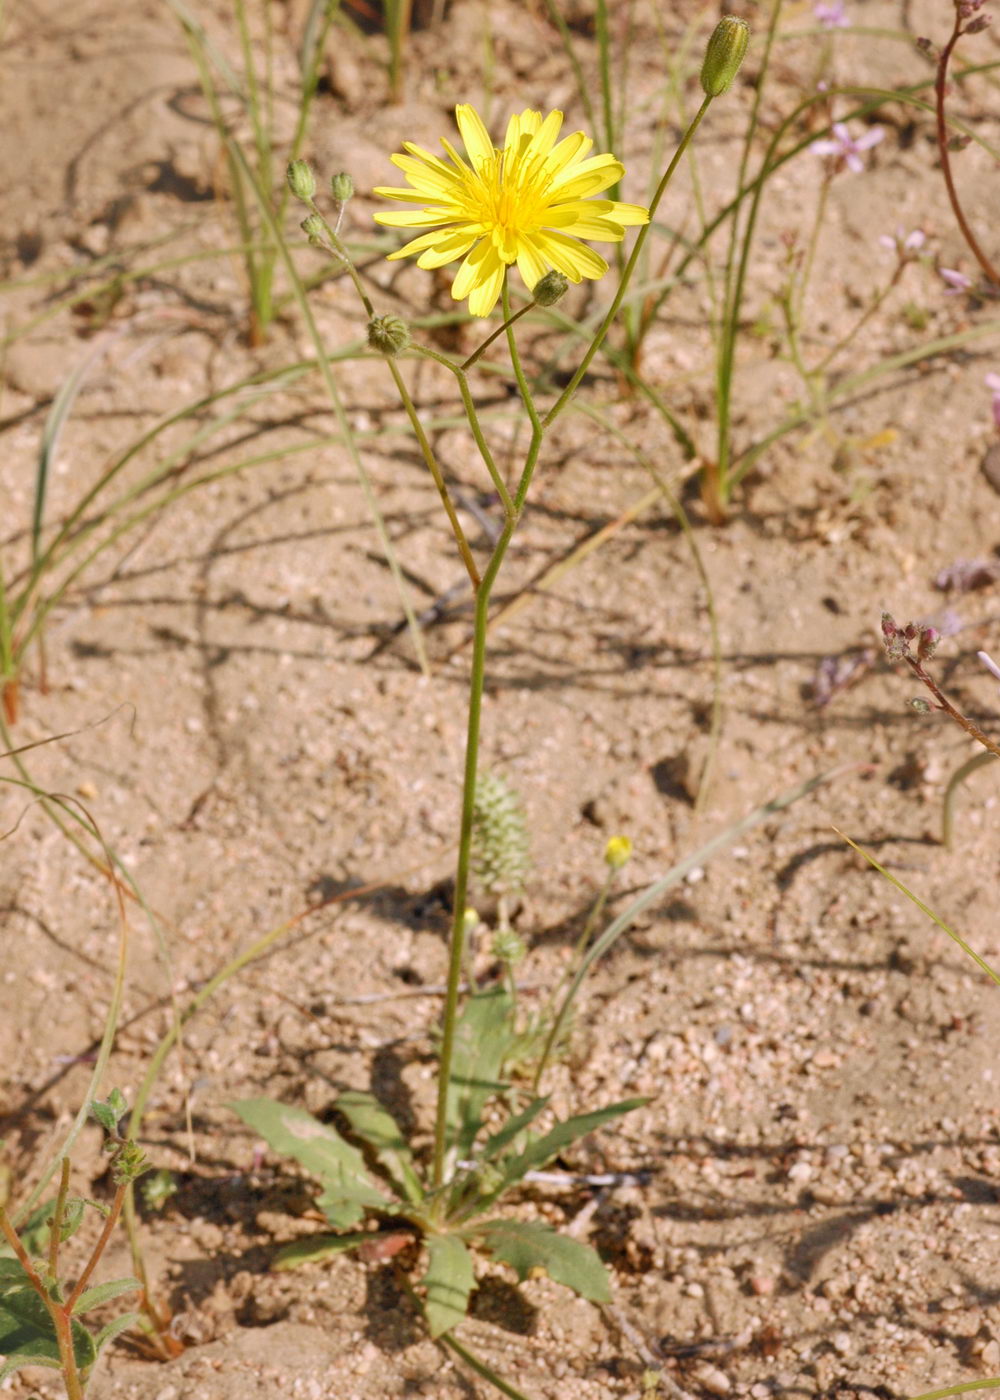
[527, 204]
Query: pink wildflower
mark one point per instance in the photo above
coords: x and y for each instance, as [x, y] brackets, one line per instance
[905, 245]
[845, 148]
[831, 15]
[957, 281]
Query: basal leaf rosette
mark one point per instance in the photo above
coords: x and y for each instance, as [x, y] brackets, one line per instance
[529, 202]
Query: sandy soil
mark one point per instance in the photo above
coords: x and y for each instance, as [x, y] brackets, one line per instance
[820, 1155]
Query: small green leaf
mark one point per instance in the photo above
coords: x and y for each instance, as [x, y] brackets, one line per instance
[72, 1217]
[322, 1151]
[116, 1328]
[90, 1297]
[27, 1332]
[527, 1245]
[312, 1248]
[483, 1033]
[376, 1126]
[449, 1280]
[109, 1111]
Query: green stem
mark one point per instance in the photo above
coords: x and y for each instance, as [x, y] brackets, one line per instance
[507, 322]
[734, 286]
[473, 418]
[435, 470]
[477, 679]
[637, 248]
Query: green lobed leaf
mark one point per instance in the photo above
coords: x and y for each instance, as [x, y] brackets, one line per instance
[27, 1333]
[102, 1292]
[483, 1033]
[527, 1245]
[376, 1126]
[313, 1248]
[322, 1151]
[449, 1280]
[116, 1327]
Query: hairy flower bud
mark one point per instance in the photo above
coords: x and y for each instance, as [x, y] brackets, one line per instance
[509, 947]
[548, 289]
[726, 51]
[500, 838]
[388, 334]
[301, 180]
[314, 230]
[342, 187]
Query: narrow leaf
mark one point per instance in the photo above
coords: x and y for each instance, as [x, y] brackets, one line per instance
[527, 1245]
[313, 1248]
[449, 1280]
[14, 1363]
[494, 1145]
[541, 1151]
[376, 1126]
[90, 1297]
[322, 1151]
[115, 1328]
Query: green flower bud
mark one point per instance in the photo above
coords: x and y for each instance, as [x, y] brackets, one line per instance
[726, 51]
[301, 180]
[509, 947]
[548, 289]
[314, 230]
[388, 334]
[342, 187]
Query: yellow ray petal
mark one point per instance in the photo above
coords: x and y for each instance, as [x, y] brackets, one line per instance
[568, 256]
[530, 263]
[474, 135]
[448, 249]
[486, 293]
[415, 218]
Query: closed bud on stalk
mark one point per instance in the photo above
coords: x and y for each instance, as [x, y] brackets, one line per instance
[388, 334]
[726, 51]
[618, 852]
[548, 289]
[509, 947]
[342, 187]
[301, 180]
[314, 230]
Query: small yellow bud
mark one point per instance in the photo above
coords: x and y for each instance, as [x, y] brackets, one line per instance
[470, 919]
[388, 334]
[726, 51]
[618, 852]
[301, 180]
